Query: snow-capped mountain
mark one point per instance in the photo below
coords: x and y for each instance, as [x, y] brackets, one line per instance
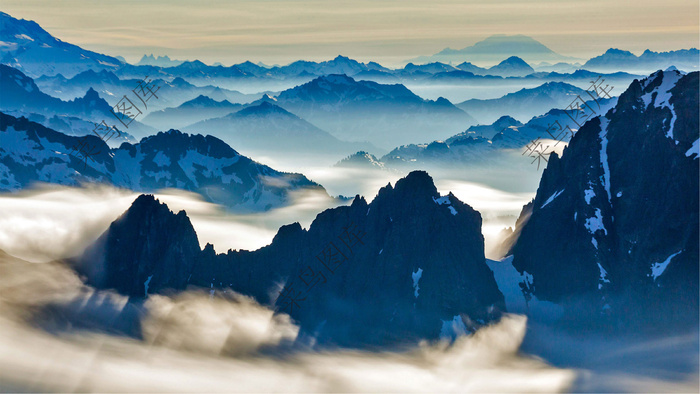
[265, 128]
[196, 110]
[616, 59]
[523, 104]
[412, 263]
[27, 47]
[31, 153]
[615, 219]
[367, 111]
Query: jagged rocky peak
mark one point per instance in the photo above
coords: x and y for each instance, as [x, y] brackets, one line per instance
[148, 249]
[617, 214]
[419, 268]
[176, 143]
[411, 261]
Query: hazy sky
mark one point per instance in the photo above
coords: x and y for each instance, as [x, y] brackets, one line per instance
[389, 31]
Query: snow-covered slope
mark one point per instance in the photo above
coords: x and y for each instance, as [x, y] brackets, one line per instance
[30, 152]
[26, 46]
[616, 217]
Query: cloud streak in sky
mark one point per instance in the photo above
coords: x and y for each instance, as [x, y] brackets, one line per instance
[390, 31]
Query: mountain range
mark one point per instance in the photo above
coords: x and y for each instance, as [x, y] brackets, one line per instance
[360, 111]
[27, 45]
[161, 61]
[611, 239]
[649, 61]
[198, 109]
[171, 93]
[523, 104]
[485, 145]
[32, 153]
[22, 97]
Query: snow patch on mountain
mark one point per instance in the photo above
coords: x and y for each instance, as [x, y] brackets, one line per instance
[658, 268]
[604, 154]
[30, 152]
[416, 277]
[161, 160]
[603, 276]
[595, 223]
[195, 164]
[551, 198]
[661, 95]
[445, 200]
[128, 172]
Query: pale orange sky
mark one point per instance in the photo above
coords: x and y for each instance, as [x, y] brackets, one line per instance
[387, 31]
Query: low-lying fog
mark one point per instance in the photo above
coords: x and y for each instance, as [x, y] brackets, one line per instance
[57, 334]
[52, 222]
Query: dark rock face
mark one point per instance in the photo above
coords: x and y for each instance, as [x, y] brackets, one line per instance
[366, 274]
[617, 215]
[146, 250]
